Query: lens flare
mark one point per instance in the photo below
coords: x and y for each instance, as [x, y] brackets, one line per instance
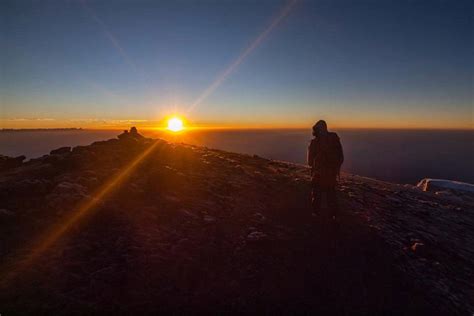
[175, 124]
[236, 63]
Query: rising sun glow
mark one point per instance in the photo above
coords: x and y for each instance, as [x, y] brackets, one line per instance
[175, 124]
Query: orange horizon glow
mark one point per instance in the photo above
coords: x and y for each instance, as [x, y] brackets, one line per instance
[187, 125]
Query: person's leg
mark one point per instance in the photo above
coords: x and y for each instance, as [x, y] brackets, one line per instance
[316, 198]
[332, 201]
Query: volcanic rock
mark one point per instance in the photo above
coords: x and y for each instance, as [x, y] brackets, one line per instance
[61, 151]
[10, 162]
[167, 228]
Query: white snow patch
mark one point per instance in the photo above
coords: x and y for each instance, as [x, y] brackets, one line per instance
[433, 185]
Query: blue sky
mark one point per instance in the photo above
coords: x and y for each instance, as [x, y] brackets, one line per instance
[354, 63]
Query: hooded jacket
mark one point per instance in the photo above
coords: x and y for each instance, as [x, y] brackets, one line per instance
[325, 156]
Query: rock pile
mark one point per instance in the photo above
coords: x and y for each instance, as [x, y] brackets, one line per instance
[10, 162]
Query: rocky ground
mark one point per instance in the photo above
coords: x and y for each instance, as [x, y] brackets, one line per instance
[142, 226]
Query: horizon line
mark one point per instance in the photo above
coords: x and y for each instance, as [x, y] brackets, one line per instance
[230, 127]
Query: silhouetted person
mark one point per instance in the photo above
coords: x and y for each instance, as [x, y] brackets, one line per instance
[325, 156]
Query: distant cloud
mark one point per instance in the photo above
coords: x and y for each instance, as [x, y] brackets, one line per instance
[128, 121]
[30, 119]
[108, 122]
[39, 122]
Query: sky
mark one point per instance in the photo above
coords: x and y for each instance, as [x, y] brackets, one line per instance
[101, 64]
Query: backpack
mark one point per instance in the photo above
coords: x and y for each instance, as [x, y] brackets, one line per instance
[328, 152]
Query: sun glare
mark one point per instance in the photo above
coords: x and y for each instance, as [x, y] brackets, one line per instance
[175, 124]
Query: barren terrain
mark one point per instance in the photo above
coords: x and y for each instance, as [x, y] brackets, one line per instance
[144, 226]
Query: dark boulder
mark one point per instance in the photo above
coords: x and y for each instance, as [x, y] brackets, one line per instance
[10, 162]
[66, 195]
[108, 142]
[61, 151]
[27, 187]
[80, 149]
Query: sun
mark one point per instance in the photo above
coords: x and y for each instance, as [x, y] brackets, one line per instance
[175, 124]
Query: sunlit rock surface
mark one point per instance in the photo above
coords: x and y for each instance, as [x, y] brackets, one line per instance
[188, 229]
